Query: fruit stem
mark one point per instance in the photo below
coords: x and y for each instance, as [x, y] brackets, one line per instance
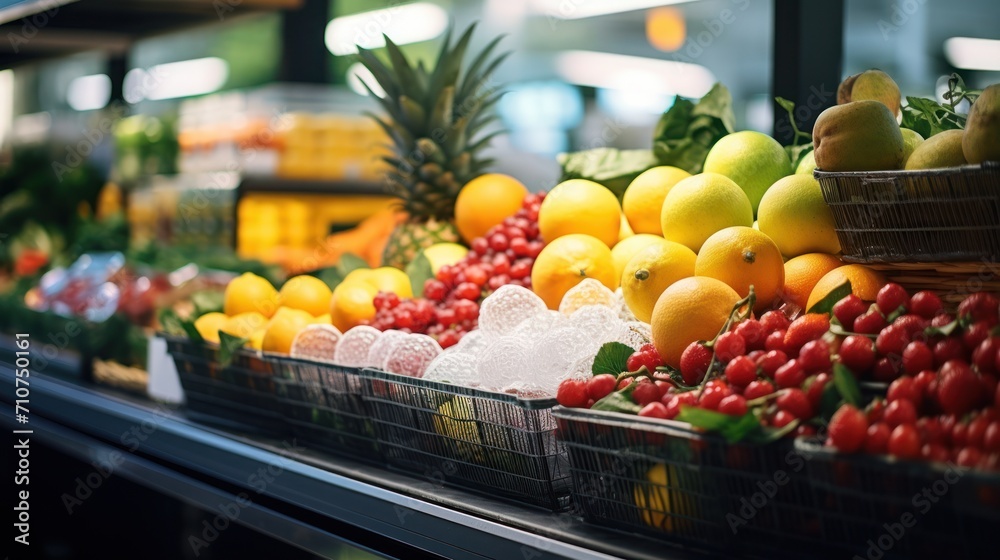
[643, 370]
[735, 313]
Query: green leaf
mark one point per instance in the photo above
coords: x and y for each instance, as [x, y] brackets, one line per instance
[826, 304]
[171, 322]
[191, 331]
[331, 276]
[228, 346]
[419, 270]
[618, 401]
[797, 153]
[733, 428]
[612, 358]
[687, 131]
[611, 167]
[349, 262]
[207, 301]
[846, 385]
[830, 401]
[944, 330]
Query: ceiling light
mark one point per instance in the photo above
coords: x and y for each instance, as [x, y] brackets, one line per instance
[564, 9]
[87, 93]
[358, 75]
[968, 53]
[408, 23]
[176, 79]
[616, 71]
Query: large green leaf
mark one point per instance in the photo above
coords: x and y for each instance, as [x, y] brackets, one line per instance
[228, 346]
[826, 304]
[419, 270]
[846, 384]
[611, 167]
[612, 358]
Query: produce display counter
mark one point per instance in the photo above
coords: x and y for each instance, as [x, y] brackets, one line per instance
[310, 500]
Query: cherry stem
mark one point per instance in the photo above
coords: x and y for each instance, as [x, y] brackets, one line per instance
[642, 371]
[747, 302]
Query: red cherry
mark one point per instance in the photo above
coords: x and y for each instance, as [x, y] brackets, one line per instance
[694, 363]
[796, 402]
[572, 393]
[849, 309]
[814, 389]
[733, 405]
[790, 375]
[984, 356]
[926, 304]
[891, 297]
[934, 453]
[905, 388]
[782, 418]
[601, 386]
[758, 389]
[877, 439]
[775, 341]
[645, 392]
[948, 349]
[980, 306]
[741, 371]
[870, 323]
[520, 246]
[815, 356]
[887, 369]
[857, 353]
[900, 411]
[655, 409]
[959, 390]
[753, 333]
[771, 362]
[904, 442]
[848, 429]
[729, 346]
[774, 321]
[480, 246]
[975, 334]
[917, 357]
[891, 341]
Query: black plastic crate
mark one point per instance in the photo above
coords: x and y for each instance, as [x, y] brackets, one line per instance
[324, 406]
[242, 395]
[874, 506]
[666, 481]
[494, 443]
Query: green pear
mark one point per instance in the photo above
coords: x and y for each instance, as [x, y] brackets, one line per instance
[944, 149]
[911, 139]
[873, 85]
[982, 131]
[858, 136]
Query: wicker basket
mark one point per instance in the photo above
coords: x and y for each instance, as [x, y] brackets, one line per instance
[916, 216]
[953, 281]
[493, 443]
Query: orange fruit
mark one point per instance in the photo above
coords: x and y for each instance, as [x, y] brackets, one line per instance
[352, 302]
[485, 201]
[865, 283]
[580, 206]
[209, 324]
[307, 293]
[691, 309]
[244, 325]
[567, 261]
[652, 270]
[281, 331]
[743, 257]
[249, 292]
[803, 272]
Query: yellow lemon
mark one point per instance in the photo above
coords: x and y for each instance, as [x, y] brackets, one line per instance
[628, 247]
[753, 160]
[283, 328]
[580, 206]
[795, 216]
[690, 309]
[307, 293]
[701, 205]
[485, 201]
[567, 261]
[383, 279]
[651, 271]
[245, 324]
[441, 254]
[644, 196]
[257, 339]
[653, 497]
[323, 319]
[625, 230]
[352, 303]
[208, 325]
[743, 257]
[249, 292]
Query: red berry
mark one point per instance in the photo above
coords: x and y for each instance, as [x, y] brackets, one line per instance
[877, 439]
[941, 320]
[848, 429]
[521, 269]
[947, 350]
[645, 392]
[713, 395]
[694, 363]
[775, 341]
[728, 346]
[467, 290]
[984, 356]
[655, 409]
[959, 390]
[733, 405]
[905, 388]
[989, 383]
[741, 371]
[513, 233]
[975, 334]
[968, 457]
[805, 430]
[572, 393]
[635, 361]
[601, 386]
[914, 325]
[875, 410]
[891, 341]
[771, 362]
[480, 246]
[891, 297]
[446, 317]
[887, 369]
[679, 400]
[934, 453]
[448, 339]
[753, 333]
[789, 375]
[501, 265]
[535, 248]
[980, 306]
[758, 389]
[857, 353]
[774, 321]
[796, 402]
[476, 275]
[520, 246]
[991, 437]
[923, 381]
[926, 304]
[870, 323]
[466, 310]
[756, 355]
[807, 327]
[977, 431]
[815, 356]
[900, 411]
[904, 442]
[917, 357]
[782, 418]
[625, 383]
[849, 309]
[499, 242]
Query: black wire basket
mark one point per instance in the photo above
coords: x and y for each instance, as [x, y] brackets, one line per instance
[933, 215]
[874, 506]
[324, 406]
[241, 396]
[663, 480]
[493, 443]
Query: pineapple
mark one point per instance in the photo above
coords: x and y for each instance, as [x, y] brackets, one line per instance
[435, 120]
